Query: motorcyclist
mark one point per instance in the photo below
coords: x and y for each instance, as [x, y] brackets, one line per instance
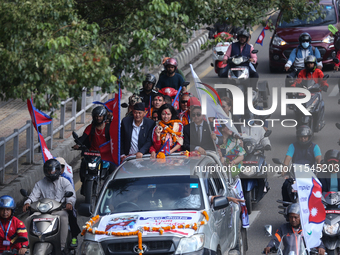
[298, 55]
[311, 72]
[242, 48]
[94, 135]
[11, 227]
[293, 227]
[330, 180]
[179, 71]
[171, 79]
[303, 151]
[53, 186]
[147, 92]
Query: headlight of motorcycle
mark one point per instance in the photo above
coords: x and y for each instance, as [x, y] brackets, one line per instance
[190, 244]
[92, 166]
[237, 61]
[249, 170]
[312, 105]
[91, 248]
[245, 74]
[45, 207]
[277, 41]
[328, 39]
[331, 229]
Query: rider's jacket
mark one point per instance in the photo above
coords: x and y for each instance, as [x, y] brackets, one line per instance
[236, 49]
[16, 229]
[303, 155]
[316, 75]
[298, 55]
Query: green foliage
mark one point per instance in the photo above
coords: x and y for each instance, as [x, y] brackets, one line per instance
[46, 49]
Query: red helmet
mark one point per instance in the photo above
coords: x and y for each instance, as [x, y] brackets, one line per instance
[171, 61]
[168, 91]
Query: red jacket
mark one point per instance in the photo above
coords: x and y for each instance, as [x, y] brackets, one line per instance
[338, 57]
[317, 76]
[16, 229]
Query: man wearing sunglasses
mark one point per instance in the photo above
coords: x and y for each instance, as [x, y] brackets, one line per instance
[330, 179]
[298, 55]
[183, 111]
[197, 134]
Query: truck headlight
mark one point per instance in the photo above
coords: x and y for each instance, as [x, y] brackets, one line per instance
[190, 244]
[91, 248]
[331, 229]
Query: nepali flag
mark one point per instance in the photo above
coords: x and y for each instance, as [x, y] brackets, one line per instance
[261, 37]
[110, 151]
[38, 118]
[175, 103]
[216, 130]
[148, 114]
[312, 211]
[108, 104]
[165, 148]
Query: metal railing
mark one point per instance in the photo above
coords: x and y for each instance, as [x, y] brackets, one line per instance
[29, 129]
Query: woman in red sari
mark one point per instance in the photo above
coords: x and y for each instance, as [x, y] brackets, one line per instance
[169, 128]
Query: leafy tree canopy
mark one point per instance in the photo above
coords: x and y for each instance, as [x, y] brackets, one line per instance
[58, 47]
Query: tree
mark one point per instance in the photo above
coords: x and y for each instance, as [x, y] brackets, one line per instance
[45, 49]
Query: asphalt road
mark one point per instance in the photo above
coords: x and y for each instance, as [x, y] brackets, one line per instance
[266, 211]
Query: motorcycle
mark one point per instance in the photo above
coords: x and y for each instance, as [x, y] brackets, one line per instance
[20, 239]
[315, 106]
[95, 171]
[331, 233]
[44, 228]
[254, 178]
[293, 244]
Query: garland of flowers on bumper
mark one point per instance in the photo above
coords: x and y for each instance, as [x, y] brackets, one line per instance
[95, 219]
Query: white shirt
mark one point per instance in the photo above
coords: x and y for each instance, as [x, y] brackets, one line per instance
[134, 138]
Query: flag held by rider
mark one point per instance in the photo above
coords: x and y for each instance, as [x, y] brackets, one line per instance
[312, 211]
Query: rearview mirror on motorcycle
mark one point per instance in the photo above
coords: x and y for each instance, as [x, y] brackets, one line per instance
[24, 192]
[336, 61]
[267, 133]
[326, 77]
[186, 83]
[74, 134]
[254, 51]
[124, 105]
[68, 194]
[277, 161]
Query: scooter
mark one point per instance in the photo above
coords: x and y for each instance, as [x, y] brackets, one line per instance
[315, 106]
[254, 178]
[44, 228]
[331, 233]
[20, 239]
[95, 171]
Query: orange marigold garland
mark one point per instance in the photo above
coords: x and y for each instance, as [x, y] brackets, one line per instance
[167, 129]
[161, 155]
[138, 233]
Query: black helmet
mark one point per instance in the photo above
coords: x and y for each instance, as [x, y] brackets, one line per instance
[99, 111]
[310, 59]
[331, 155]
[304, 131]
[305, 37]
[150, 78]
[52, 169]
[243, 32]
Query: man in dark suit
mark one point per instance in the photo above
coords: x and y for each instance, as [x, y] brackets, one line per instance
[197, 134]
[136, 133]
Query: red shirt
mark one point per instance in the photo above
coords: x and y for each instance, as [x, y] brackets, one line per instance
[317, 76]
[16, 229]
[97, 139]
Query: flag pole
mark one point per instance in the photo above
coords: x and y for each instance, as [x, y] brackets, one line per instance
[119, 121]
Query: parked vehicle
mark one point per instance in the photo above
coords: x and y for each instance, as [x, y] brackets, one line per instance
[160, 193]
[286, 34]
[331, 233]
[44, 228]
[254, 179]
[315, 106]
[95, 170]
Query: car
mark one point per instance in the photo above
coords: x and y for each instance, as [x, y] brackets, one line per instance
[169, 193]
[286, 35]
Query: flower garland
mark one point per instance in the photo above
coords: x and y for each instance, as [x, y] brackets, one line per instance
[167, 129]
[139, 232]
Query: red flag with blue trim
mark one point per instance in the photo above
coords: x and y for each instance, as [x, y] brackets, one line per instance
[217, 125]
[46, 154]
[109, 103]
[317, 210]
[148, 109]
[38, 118]
[261, 37]
[165, 148]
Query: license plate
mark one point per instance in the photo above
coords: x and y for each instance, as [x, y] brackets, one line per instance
[92, 154]
[237, 69]
[43, 219]
[333, 211]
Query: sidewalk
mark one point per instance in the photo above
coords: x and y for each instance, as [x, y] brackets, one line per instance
[14, 115]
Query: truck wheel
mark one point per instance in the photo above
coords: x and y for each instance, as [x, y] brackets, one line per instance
[247, 197]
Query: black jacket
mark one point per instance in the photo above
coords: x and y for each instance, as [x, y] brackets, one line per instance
[144, 139]
[190, 144]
